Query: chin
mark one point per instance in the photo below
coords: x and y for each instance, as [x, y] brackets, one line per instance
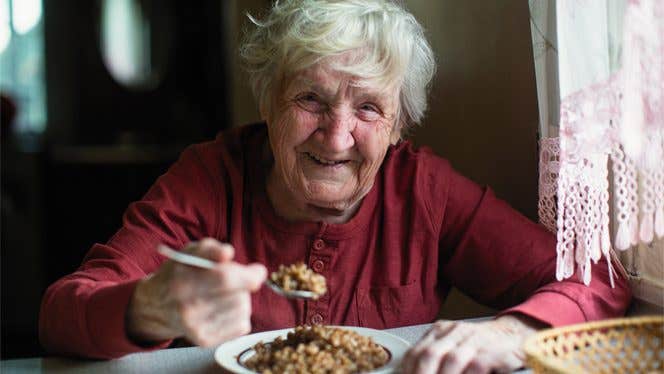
[326, 195]
[330, 203]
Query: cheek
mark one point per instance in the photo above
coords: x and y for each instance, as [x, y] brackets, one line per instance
[303, 125]
[293, 129]
[372, 142]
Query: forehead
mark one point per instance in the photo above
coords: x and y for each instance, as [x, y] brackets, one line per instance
[325, 76]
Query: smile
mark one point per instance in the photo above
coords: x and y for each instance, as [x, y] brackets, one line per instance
[325, 161]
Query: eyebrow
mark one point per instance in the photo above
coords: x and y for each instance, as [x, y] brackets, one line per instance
[304, 81]
[373, 94]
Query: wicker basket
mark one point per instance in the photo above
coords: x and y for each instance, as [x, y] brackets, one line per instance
[624, 345]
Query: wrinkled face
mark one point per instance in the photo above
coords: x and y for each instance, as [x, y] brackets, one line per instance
[329, 133]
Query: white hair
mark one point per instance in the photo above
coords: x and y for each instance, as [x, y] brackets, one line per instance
[296, 34]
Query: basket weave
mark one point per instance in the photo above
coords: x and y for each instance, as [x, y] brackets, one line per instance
[623, 345]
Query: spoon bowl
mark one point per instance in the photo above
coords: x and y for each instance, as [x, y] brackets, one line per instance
[291, 294]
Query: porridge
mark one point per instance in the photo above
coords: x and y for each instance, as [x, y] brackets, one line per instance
[299, 277]
[318, 349]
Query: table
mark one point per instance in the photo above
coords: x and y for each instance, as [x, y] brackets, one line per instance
[195, 359]
[174, 360]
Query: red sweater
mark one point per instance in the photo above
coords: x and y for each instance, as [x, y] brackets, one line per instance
[422, 229]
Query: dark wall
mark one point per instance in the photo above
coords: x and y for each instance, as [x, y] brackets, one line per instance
[104, 146]
[107, 143]
[483, 112]
[22, 269]
[483, 105]
[87, 106]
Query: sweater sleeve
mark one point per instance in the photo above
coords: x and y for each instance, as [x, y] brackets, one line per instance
[83, 314]
[502, 259]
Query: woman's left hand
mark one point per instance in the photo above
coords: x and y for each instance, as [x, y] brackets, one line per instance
[467, 347]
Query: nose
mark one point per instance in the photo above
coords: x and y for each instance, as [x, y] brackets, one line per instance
[337, 131]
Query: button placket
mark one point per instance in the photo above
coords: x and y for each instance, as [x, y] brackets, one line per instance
[318, 265]
[317, 319]
[319, 244]
[319, 262]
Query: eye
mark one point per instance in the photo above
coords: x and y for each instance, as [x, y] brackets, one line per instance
[369, 107]
[369, 112]
[310, 102]
[309, 96]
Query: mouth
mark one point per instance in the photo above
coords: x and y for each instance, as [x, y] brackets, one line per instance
[325, 162]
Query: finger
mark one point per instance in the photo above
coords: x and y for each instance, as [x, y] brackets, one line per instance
[440, 328]
[233, 330]
[190, 283]
[232, 277]
[435, 353]
[235, 320]
[205, 314]
[410, 359]
[211, 323]
[210, 304]
[214, 250]
[457, 360]
[451, 336]
[207, 336]
[236, 306]
[479, 365]
[496, 350]
[499, 361]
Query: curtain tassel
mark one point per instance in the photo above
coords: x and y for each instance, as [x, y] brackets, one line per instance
[646, 228]
[595, 249]
[659, 222]
[634, 230]
[623, 240]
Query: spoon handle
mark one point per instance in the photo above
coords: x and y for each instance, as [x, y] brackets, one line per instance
[184, 258]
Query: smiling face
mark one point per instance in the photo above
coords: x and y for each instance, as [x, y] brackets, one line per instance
[329, 133]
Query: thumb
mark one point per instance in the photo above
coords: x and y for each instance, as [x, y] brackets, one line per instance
[259, 272]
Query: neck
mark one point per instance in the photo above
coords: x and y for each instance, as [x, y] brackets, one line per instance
[292, 209]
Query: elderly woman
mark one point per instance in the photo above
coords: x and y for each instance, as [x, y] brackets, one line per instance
[328, 180]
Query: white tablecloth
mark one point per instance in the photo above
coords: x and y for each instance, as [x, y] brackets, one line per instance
[174, 360]
[193, 359]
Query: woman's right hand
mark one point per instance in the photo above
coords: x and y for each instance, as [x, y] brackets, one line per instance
[207, 307]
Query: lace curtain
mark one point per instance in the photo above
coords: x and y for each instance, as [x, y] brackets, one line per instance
[600, 78]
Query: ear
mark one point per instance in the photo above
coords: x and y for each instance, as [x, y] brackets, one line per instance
[395, 136]
[263, 110]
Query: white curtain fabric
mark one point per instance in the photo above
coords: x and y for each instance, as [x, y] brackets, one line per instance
[600, 79]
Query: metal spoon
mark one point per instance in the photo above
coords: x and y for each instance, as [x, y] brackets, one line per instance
[204, 263]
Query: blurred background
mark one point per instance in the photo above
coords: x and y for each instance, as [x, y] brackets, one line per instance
[100, 96]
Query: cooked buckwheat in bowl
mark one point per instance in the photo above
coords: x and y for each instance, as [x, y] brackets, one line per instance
[318, 349]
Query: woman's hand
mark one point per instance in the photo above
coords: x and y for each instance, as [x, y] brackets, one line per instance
[205, 306]
[466, 347]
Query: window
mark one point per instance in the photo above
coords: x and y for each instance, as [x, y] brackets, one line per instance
[22, 62]
[126, 33]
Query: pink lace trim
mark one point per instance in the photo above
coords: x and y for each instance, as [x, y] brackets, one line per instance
[622, 118]
[549, 166]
